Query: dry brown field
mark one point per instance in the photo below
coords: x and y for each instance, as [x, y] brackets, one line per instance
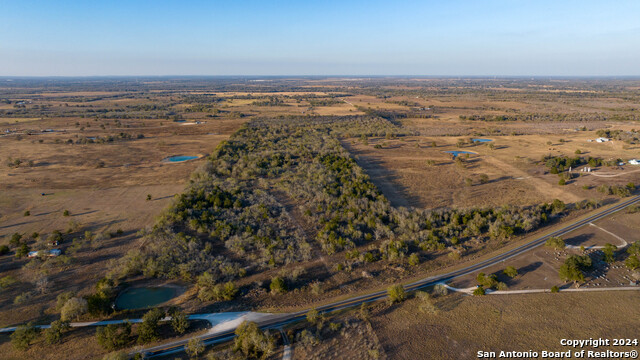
[465, 325]
[400, 168]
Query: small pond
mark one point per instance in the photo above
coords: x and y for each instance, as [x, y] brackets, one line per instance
[180, 158]
[481, 140]
[144, 297]
[456, 153]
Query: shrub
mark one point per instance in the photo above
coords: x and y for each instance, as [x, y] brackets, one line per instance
[573, 266]
[632, 262]
[609, 253]
[98, 304]
[426, 304]
[66, 213]
[208, 290]
[73, 308]
[54, 334]
[414, 259]
[307, 338]
[179, 321]
[22, 250]
[7, 281]
[228, 291]
[22, 298]
[562, 182]
[440, 290]
[396, 293]
[487, 281]
[194, 348]
[4, 249]
[510, 271]
[555, 242]
[252, 342]
[112, 336]
[278, 286]
[313, 316]
[479, 291]
[27, 213]
[23, 336]
[316, 288]
[15, 239]
[557, 206]
[620, 191]
[56, 237]
[555, 289]
[148, 329]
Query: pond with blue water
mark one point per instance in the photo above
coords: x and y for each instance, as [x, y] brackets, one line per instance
[180, 158]
[481, 140]
[145, 297]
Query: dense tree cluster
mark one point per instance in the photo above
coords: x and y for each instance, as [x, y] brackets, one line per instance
[229, 222]
[105, 139]
[618, 190]
[556, 117]
[270, 101]
[573, 267]
[558, 164]
[630, 137]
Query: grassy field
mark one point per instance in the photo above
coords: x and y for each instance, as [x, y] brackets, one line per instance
[413, 172]
[465, 325]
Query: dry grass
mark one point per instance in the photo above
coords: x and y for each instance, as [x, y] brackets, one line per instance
[400, 169]
[465, 325]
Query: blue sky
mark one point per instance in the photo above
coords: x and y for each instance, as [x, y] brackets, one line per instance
[278, 37]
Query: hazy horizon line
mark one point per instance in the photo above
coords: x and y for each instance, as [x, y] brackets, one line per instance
[10, 77]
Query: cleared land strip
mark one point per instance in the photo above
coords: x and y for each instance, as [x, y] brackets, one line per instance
[540, 185]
